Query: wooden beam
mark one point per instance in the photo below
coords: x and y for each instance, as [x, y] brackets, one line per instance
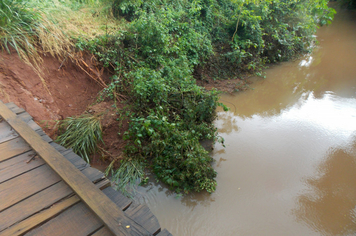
[111, 215]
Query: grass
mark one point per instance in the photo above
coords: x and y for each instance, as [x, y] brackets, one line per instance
[17, 25]
[88, 19]
[82, 134]
[127, 176]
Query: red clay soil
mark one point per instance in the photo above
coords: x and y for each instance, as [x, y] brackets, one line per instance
[71, 92]
[70, 89]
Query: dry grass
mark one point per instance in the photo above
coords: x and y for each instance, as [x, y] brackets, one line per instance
[53, 40]
[89, 21]
[55, 28]
[63, 24]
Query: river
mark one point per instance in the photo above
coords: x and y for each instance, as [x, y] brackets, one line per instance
[289, 166]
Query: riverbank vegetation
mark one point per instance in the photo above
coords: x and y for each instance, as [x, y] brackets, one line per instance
[155, 51]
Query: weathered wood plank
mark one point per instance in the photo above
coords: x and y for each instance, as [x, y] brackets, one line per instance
[25, 185]
[119, 199]
[18, 165]
[33, 204]
[103, 184]
[25, 117]
[104, 231]
[6, 132]
[32, 222]
[106, 210]
[12, 148]
[44, 136]
[58, 147]
[93, 174]
[33, 125]
[14, 108]
[143, 216]
[76, 160]
[78, 220]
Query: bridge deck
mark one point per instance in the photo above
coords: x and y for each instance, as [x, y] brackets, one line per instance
[46, 189]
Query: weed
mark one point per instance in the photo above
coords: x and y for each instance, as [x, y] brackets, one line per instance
[82, 134]
[126, 177]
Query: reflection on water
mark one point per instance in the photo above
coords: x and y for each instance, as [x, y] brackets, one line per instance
[329, 206]
[289, 164]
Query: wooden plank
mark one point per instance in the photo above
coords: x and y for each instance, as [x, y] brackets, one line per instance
[104, 231]
[76, 160]
[103, 184]
[93, 174]
[143, 216]
[33, 125]
[25, 117]
[19, 165]
[12, 148]
[6, 132]
[14, 108]
[34, 204]
[58, 147]
[44, 136]
[30, 223]
[164, 233]
[105, 209]
[23, 186]
[78, 220]
[119, 199]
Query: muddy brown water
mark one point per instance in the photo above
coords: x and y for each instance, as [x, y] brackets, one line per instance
[289, 166]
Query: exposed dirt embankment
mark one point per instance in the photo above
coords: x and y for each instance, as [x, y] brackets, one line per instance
[69, 92]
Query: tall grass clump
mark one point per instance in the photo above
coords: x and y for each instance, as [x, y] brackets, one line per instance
[130, 173]
[17, 24]
[82, 134]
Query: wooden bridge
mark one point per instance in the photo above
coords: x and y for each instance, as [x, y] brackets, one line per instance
[46, 189]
